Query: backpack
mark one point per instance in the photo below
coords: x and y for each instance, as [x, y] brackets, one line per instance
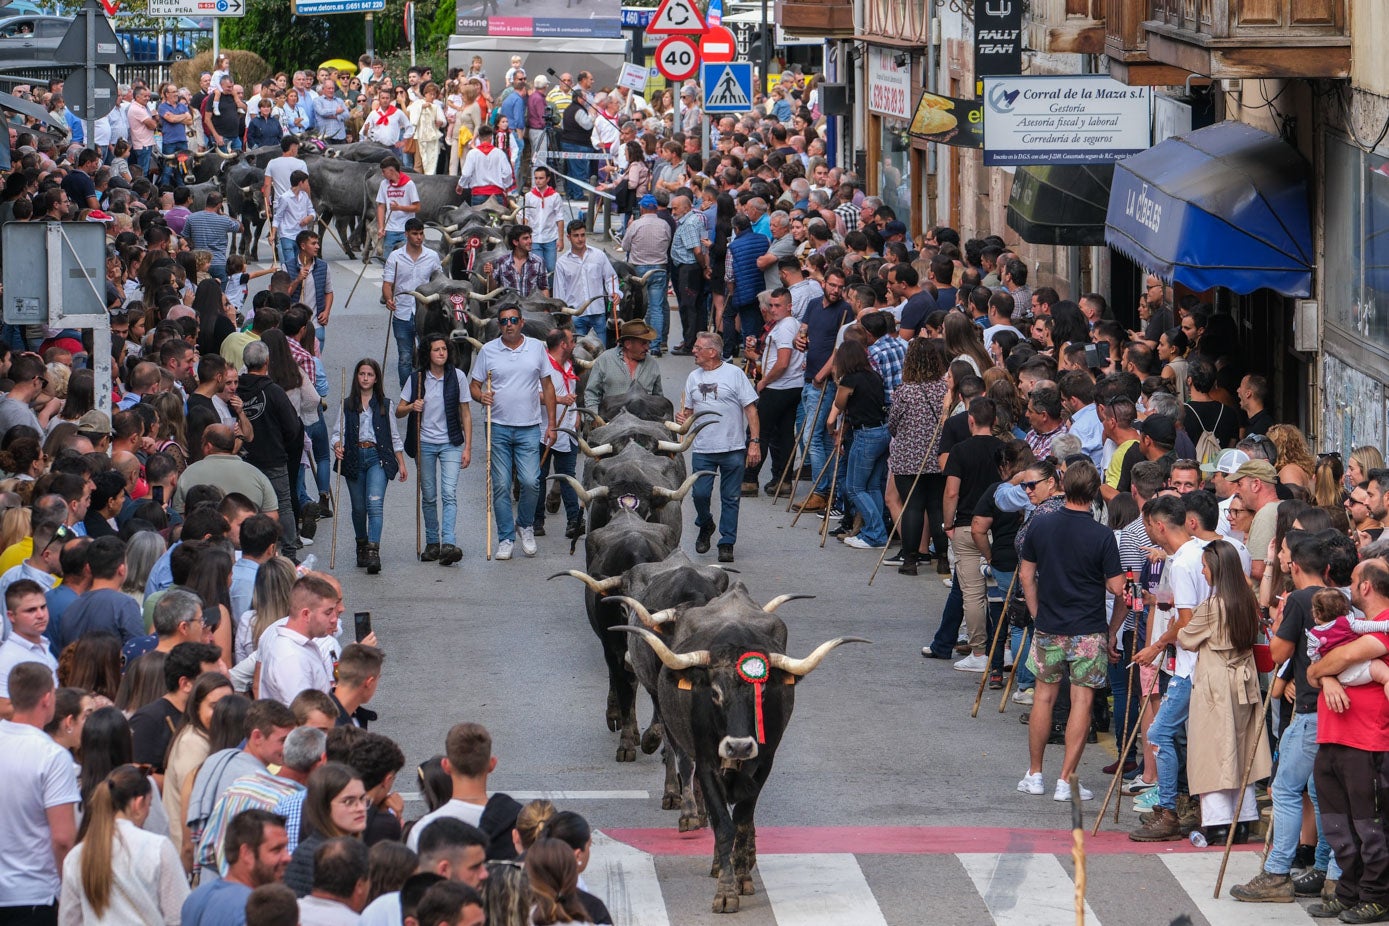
[1207, 445]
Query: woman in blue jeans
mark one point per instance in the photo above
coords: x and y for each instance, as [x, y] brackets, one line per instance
[365, 458]
[860, 406]
[439, 435]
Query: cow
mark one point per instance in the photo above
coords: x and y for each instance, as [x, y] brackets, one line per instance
[200, 192]
[653, 436]
[726, 690]
[341, 196]
[638, 402]
[637, 481]
[364, 152]
[191, 167]
[246, 204]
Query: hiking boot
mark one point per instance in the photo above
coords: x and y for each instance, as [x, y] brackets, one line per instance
[1330, 908]
[1265, 888]
[1366, 912]
[308, 520]
[702, 541]
[430, 554]
[373, 558]
[449, 554]
[1188, 812]
[942, 567]
[325, 505]
[538, 528]
[1309, 883]
[1164, 826]
[725, 552]
[814, 502]
[361, 553]
[908, 567]
[751, 490]
[995, 681]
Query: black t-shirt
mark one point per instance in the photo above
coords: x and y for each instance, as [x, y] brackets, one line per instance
[955, 429]
[867, 406]
[595, 909]
[1297, 620]
[974, 461]
[1211, 416]
[915, 311]
[224, 116]
[1075, 556]
[822, 323]
[1259, 422]
[1003, 531]
[79, 187]
[152, 728]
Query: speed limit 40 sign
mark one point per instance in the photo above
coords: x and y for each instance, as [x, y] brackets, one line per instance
[677, 58]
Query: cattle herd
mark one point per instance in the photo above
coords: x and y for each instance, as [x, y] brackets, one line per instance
[712, 659]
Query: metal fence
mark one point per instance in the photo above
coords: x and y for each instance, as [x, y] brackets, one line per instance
[153, 73]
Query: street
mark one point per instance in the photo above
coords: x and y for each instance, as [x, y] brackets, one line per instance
[888, 803]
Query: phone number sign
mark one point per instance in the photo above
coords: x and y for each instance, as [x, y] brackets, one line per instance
[889, 86]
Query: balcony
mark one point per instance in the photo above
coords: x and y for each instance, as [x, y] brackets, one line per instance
[1239, 39]
[1126, 46]
[828, 18]
[1067, 27]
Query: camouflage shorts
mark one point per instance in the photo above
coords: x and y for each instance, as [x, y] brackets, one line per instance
[1087, 654]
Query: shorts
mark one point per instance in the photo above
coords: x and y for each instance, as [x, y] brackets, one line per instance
[1147, 680]
[1087, 654]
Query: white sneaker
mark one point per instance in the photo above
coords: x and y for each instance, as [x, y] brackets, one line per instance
[305, 541]
[976, 663]
[527, 540]
[1063, 791]
[1022, 696]
[504, 549]
[858, 543]
[1032, 783]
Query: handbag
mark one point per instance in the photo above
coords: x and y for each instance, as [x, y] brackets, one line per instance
[409, 145]
[1263, 655]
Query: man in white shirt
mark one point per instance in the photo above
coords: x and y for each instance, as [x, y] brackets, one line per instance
[511, 378]
[38, 819]
[279, 173]
[293, 212]
[449, 848]
[582, 275]
[397, 201]
[407, 269]
[486, 169]
[27, 607]
[468, 760]
[340, 884]
[388, 125]
[783, 377]
[543, 210]
[289, 660]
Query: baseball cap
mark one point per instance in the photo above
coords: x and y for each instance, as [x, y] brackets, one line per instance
[648, 202]
[94, 422]
[894, 228]
[1160, 429]
[1227, 462]
[1258, 469]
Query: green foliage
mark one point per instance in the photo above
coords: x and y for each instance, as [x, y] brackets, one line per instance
[286, 41]
[445, 19]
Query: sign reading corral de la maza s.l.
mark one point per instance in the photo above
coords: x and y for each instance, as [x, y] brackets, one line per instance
[1080, 119]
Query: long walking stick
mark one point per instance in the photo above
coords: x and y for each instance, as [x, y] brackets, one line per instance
[1012, 676]
[829, 502]
[489, 470]
[807, 423]
[832, 457]
[419, 474]
[1128, 744]
[337, 487]
[366, 262]
[925, 460]
[790, 460]
[993, 647]
[1243, 785]
[1078, 848]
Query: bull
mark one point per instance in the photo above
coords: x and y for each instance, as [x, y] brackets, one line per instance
[363, 152]
[200, 192]
[246, 203]
[341, 197]
[726, 690]
[637, 402]
[636, 481]
[190, 167]
[655, 437]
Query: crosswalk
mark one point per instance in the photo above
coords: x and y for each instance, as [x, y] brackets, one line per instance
[930, 884]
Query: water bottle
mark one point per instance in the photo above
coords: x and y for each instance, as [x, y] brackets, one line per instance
[1198, 838]
[307, 565]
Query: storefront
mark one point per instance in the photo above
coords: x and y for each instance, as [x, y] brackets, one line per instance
[895, 167]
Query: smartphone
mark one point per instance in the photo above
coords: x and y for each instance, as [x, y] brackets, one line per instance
[361, 622]
[1097, 355]
[157, 493]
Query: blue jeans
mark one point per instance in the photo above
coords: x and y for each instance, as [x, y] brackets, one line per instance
[515, 452]
[578, 168]
[322, 459]
[218, 272]
[1297, 750]
[1126, 703]
[166, 176]
[404, 332]
[1021, 641]
[142, 159]
[657, 305]
[821, 446]
[393, 240]
[729, 465]
[367, 492]
[1170, 723]
[867, 476]
[951, 616]
[288, 251]
[739, 322]
[563, 463]
[546, 251]
[598, 324]
[438, 465]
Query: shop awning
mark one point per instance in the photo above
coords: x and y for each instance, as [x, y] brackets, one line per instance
[1222, 206]
[1060, 204]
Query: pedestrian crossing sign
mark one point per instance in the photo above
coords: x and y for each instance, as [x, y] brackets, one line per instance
[727, 86]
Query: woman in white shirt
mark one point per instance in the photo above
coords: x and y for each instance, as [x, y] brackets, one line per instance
[368, 457]
[119, 873]
[427, 116]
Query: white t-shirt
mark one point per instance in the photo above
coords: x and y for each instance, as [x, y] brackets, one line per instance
[726, 390]
[783, 334]
[407, 273]
[37, 773]
[1189, 589]
[399, 194]
[290, 663]
[279, 170]
[459, 810]
[383, 911]
[16, 650]
[516, 376]
[567, 416]
[434, 427]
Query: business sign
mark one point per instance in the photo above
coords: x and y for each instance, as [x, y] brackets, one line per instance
[997, 38]
[198, 8]
[889, 85]
[635, 17]
[1082, 119]
[948, 121]
[330, 7]
[534, 18]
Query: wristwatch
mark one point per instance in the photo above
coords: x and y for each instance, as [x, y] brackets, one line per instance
[754, 440]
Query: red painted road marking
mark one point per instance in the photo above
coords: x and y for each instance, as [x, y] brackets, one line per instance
[901, 840]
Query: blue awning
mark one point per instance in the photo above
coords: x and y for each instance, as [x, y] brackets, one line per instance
[1222, 206]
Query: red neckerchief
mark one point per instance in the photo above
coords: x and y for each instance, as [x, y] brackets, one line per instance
[401, 179]
[485, 148]
[569, 375]
[384, 115]
[548, 191]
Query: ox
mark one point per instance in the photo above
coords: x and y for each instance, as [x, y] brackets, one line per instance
[726, 690]
[340, 195]
[634, 480]
[246, 204]
[637, 402]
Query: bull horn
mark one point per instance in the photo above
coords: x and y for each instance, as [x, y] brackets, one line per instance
[586, 496]
[427, 299]
[452, 228]
[780, 600]
[677, 495]
[803, 667]
[596, 453]
[641, 280]
[586, 364]
[247, 190]
[331, 153]
[226, 157]
[676, 662]
[488, 297]
[689, 422]
[598, 421]
[599, 586]
[645, 616]
[473, 342]
[680, 446]
[570, 310]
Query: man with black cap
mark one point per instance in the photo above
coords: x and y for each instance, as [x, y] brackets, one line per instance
[626, 366]
[647, 245]
[1157, 436]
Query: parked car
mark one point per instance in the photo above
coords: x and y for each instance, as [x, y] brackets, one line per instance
[145, 45]
[27, 39]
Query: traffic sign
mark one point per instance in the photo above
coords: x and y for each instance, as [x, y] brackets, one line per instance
[677, 17]
[73, 47]
[718, 45]
[727, 86]
[197, 8]
[112, 7]
[677, 58]
[104, 95]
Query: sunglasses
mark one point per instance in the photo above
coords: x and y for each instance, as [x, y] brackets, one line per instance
[1029, 486]
[508, 321]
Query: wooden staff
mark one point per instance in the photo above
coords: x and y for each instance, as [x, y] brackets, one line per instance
[993, 647]
[897, 521]
[1136, 722]
[419, 474]
[1243, 784]
[790, 459]
[1078, 849]
[1128, 744]
[832, 458]
[1012, 674]
[489, 469]
[829, 502]
[337, 484]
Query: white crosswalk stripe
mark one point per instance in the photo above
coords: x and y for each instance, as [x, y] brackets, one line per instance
[1024, 890]
[1197, 871]
[819, 890]
[626, 879]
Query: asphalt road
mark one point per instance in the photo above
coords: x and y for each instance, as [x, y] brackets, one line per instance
[888, 803]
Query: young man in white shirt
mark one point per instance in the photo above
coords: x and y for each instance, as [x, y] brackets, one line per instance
[486, 170]
[582, 274]
[407, 269]
[543, 210]
[293, 212]
[397, 200]
[27, 607]
[289, 660]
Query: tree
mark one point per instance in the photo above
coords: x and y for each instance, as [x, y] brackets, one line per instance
[287, 41]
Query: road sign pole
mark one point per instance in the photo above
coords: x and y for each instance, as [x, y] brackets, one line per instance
[371, 34]
[766, 53]
[90, 102]
[216, 41]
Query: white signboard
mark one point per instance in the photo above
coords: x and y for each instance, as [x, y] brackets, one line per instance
[889, 86]
[633, 77]
[1083, 119]
[197, 8]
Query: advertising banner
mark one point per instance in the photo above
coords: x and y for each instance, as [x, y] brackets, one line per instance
[889, 85]
[948, 121]
[1081, 119]
[541, 18]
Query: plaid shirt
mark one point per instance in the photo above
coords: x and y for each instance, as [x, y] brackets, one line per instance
[1022, 304]
[849, 213]
[1041, 443]
[887, 355]
[689, 234]
[303, 359]
[529, 279]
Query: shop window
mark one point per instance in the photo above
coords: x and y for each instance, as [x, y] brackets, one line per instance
[895, 177]
[1357, 244]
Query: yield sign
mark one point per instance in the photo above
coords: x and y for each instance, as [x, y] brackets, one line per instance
[718, 45]
[677, 17]
[111, 7]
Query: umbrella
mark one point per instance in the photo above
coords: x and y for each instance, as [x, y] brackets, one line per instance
[31, 110]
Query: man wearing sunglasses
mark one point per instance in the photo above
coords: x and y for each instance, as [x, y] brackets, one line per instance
[17, 407]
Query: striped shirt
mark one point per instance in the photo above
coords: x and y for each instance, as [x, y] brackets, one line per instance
[208, 231]
[258, 790]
